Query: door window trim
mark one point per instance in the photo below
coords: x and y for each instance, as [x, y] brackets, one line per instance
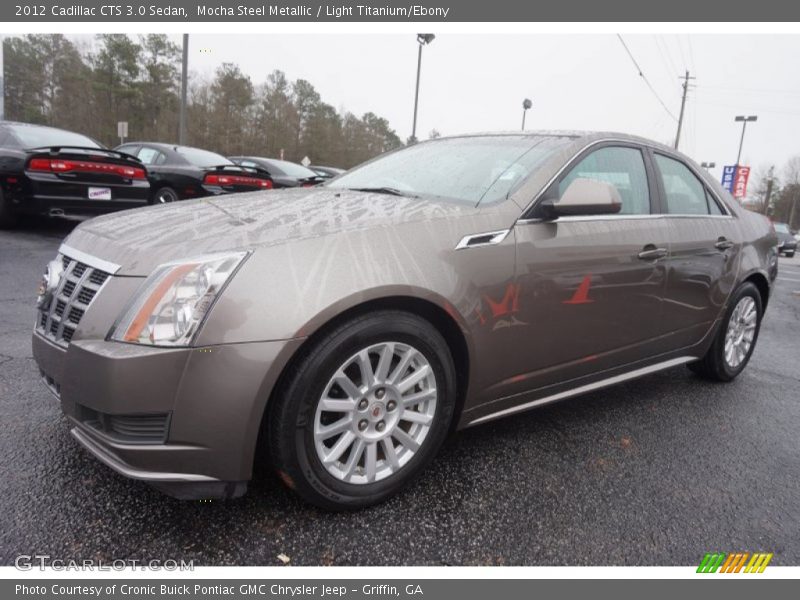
[647, 150]
[706, 188]
[565, 170]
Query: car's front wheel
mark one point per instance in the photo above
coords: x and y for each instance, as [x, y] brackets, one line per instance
[364, 411]
[736, 338]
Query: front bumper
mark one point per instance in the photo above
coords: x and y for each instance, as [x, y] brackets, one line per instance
[214, 398]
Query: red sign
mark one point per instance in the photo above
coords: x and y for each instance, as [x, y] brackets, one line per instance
[740, 182]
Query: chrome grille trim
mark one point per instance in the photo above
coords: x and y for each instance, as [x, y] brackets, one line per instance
[84, 276]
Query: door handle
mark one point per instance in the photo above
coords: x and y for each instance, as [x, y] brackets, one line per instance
[650, 252]
[723, 244]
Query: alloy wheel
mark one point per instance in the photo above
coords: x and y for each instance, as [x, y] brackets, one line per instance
[741, 331]
[375, 413]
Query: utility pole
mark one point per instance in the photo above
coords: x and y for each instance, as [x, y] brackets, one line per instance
[768, 194]
[184, 85]
[685, 87]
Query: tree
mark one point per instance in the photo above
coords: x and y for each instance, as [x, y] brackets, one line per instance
[51, 80]
[116, 68]
[231, 103]
[765, 184]
[159, 88]
[789, 199]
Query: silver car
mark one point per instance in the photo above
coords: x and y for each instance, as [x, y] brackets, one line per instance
[342, 331]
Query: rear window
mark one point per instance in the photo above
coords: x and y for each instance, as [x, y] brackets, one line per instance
[40, 137]
[202, 158]
[291, 169]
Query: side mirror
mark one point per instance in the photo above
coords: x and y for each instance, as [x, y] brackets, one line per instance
[586, 197]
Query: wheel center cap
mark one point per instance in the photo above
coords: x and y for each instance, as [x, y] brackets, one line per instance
[376, 411]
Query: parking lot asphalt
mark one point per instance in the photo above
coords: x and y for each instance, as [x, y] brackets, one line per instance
[657, 471]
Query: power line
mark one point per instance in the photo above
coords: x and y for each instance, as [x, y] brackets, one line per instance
[723, 88]
[666, 58]
[680, 49]
[642, 75]
[691, 52]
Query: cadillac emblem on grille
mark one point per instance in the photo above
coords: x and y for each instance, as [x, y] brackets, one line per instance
[67, 289]
[50, 280]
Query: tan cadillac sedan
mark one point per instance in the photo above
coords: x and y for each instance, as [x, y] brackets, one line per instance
[342, 331]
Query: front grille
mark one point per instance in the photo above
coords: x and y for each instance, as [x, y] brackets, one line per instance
[142, 429]
[78, 286]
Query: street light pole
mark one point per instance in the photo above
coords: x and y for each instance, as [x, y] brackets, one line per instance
[526, 104]
[422, 39]
[184, 85]
[744, 120]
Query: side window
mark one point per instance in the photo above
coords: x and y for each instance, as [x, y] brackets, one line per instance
[247, 163]
[713, 206]
[621, 167]
[686, 194]
[128, 149]
[149, 156]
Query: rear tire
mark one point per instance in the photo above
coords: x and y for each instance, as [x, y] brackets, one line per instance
[164, 195]
[383, 439]
[8, 216]
[736, 338]
[790, 254]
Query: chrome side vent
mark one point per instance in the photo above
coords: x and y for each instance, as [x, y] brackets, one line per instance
[476, 240]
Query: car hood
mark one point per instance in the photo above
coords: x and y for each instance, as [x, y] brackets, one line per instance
[140, 239]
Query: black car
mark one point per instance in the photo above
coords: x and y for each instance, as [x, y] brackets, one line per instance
[326, 172]
[49, 171]
[284, 173]
[787, 244]
[182, 172]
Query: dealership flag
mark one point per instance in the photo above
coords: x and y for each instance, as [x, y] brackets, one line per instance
[734, 179]
[740, 182]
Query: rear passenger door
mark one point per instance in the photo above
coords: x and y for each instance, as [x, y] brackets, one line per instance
[704, 246]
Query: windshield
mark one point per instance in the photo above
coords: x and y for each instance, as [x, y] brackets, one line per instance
[782, 228]
[467, 169]
[40, 137]
[291, 169]
[202, 158]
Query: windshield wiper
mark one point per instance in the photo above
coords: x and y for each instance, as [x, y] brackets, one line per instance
[384, 190]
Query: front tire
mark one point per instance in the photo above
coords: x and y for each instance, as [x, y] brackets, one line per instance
[790, 254]
[736, 339]
[364, 411]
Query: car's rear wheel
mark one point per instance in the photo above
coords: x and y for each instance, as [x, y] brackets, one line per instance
[364, 411]
[164, 195]
[8, 217]
[736, 339]
[790, 254]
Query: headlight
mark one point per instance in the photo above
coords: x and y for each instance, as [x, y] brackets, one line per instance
[174, 300]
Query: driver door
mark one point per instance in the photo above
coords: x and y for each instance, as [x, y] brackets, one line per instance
[590, 287]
